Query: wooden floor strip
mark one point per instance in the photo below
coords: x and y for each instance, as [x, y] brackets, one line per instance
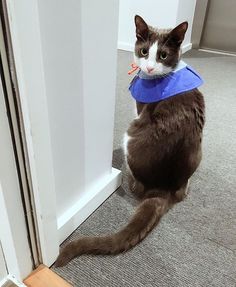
[44, 277]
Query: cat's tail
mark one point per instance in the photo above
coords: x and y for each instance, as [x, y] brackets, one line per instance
[143, 221]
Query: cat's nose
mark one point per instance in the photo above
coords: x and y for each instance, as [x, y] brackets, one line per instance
[150, 69]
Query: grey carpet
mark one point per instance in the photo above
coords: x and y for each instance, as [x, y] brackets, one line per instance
[195, 243]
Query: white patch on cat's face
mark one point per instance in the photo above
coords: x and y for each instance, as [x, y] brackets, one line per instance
[150, 66]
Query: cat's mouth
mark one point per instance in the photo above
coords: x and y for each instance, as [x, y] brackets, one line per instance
[148, 72]
[160, 70]
[152, 72]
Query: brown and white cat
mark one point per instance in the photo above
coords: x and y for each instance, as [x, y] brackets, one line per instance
[162, 146]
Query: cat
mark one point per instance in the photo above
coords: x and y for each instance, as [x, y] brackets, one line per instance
[162, 145]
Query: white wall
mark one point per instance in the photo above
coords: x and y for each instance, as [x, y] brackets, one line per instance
[79, 68]
[162, 14]
[61, 51]
[186, 10]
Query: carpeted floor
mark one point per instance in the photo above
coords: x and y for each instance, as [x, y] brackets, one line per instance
[195, 243]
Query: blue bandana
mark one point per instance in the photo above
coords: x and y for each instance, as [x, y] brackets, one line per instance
[150, 89]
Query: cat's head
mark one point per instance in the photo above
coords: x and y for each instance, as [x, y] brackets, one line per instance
[157, 51]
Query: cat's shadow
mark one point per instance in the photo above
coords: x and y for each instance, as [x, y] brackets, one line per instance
[123, 191]
[118, 158]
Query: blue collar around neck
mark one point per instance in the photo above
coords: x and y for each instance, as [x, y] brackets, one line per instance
[150, 89]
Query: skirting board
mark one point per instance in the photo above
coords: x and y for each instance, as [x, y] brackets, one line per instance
[186, 47]
[218, 52]
[125, 46]
[128, 47]
[91, 200]
[11, 281]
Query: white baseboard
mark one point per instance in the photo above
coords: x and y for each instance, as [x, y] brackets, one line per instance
[11, 281]
[217, 52]
[186, 47]
[91, 200]
[125, 46]
[130, 48]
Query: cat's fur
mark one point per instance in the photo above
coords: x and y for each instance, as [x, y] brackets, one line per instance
[163, 149]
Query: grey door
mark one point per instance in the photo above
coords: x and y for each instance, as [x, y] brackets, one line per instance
[219, 32]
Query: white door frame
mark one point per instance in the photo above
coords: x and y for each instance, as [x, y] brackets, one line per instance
[3, 266]
[28, 56]
[13, 232]
[16, 257]
[24, 28]
[17, 261]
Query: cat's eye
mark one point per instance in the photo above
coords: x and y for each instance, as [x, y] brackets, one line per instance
[144, 52]
[163, 55]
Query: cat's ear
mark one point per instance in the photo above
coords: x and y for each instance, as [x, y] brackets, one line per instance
[178, 33]
[142, 30]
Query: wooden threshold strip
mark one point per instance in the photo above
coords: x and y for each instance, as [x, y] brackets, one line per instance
[44, 277]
